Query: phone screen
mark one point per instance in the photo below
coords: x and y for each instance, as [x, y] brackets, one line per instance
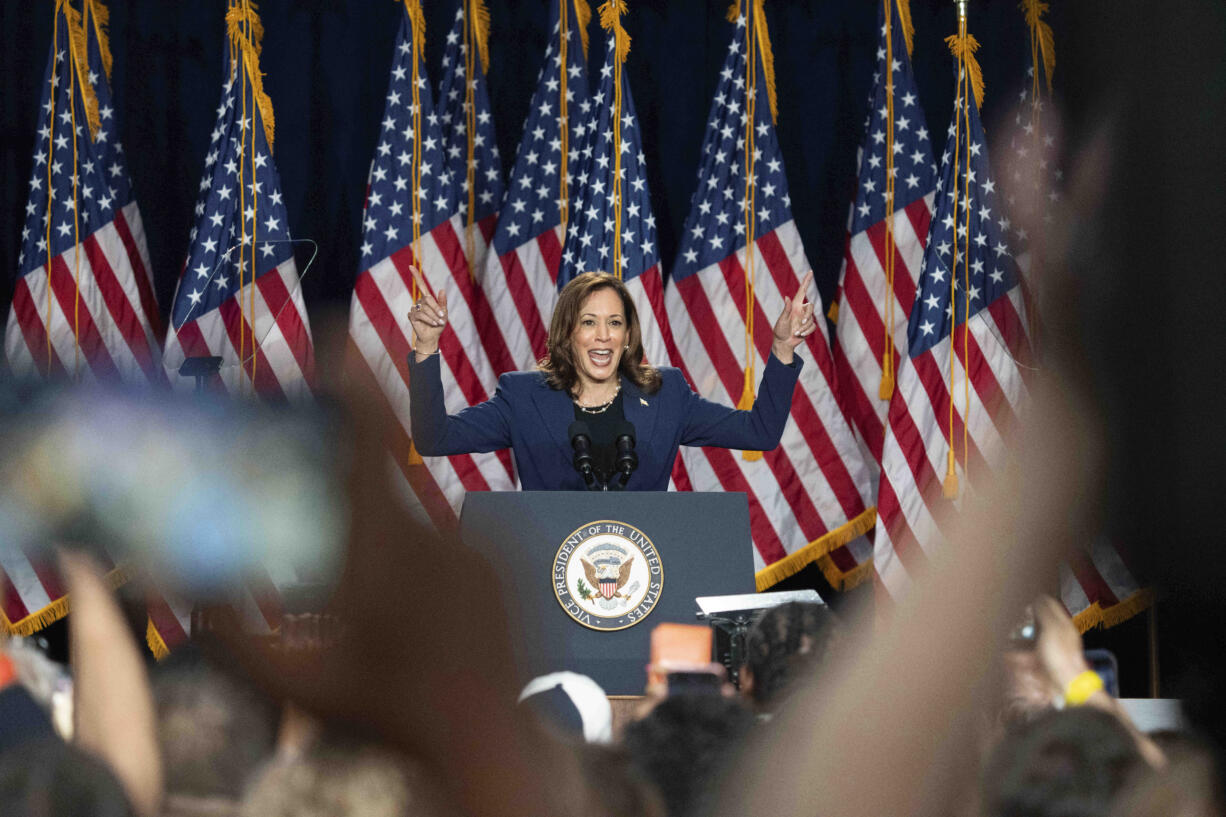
[694, 683]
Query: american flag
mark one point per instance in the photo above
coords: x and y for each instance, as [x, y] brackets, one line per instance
[261, 333]
[612, 227]
[1097, 585]
[520, 276]
[1036, 167]
[90, 312]
[895, 160]
[239, 297]
[810, 499]
[962, 385]
[468, 131]
[412, 218]
[257, 601]
[32, 594]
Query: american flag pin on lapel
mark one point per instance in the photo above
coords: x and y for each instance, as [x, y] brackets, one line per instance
[641, 400]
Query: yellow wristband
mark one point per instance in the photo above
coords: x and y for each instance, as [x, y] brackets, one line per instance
[1082, 687]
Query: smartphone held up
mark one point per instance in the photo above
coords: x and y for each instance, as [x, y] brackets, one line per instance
[200, 492]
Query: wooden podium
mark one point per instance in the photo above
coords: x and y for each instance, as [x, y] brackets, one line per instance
[586, 576]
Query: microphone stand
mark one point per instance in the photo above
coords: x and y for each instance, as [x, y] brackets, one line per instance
[627, 458]
[584, 462]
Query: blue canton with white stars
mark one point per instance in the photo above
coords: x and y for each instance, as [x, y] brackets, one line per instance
[106, 143]
[387, 220]
[532, 201]
[715, 227]
[98, 184]
[592, 229]
[229, 209]
[915, 172]
[487, 166]
[992, 270]
[1034, 147]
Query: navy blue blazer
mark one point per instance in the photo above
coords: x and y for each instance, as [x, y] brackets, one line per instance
[531, 419]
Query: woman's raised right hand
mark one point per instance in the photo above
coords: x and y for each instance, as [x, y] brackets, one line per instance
[428, 317]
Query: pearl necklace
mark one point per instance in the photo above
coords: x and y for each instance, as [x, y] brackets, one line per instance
[601, 409]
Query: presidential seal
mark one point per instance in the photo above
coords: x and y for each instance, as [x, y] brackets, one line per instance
[607, 575]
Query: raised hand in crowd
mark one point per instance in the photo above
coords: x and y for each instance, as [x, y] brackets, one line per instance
[422, 658]
[907, 697]
[114, 717]
[795, 323]
[428, 316]
[1062, 655]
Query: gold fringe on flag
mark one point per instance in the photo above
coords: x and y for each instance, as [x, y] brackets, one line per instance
[154, 640]
[57, 609]
[964, 48]
[480, 16]
[764, 46]
[1040, 31]
[583, 18]
[904, 22]
[245, 31]
[245, 14]
[611, 20]
[80, 66]
[1095, 616]
[100, 17]
[417, 24]
[768, 56]
[819, 551]
[845, 580]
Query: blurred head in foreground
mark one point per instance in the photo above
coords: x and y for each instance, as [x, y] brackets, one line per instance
[214, 731]
[784, 647]
[49, 778]
[572, 703]
[683, 745]
[1067, 763]
[338, 779]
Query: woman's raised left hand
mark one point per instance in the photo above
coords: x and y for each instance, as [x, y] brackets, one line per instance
[795, 323]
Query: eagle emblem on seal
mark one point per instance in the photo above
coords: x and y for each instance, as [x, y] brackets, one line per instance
[608, 575]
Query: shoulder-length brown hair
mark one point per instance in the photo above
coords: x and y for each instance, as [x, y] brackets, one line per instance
[559, 362]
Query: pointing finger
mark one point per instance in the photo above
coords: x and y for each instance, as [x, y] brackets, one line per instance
[803, 291]
[418, 279]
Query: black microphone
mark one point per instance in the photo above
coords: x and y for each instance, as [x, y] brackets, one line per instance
[627, 458]
[581, 441]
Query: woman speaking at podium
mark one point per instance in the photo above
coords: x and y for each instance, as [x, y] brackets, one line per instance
[592, 406]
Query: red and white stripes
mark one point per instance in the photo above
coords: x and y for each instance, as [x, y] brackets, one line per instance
[522, 288]
[262, 337]
[813, 494]
[103, 310]
[380, 335]
[985, 413]
[860, 333]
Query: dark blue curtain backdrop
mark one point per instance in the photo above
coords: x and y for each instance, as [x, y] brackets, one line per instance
[326, 64]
